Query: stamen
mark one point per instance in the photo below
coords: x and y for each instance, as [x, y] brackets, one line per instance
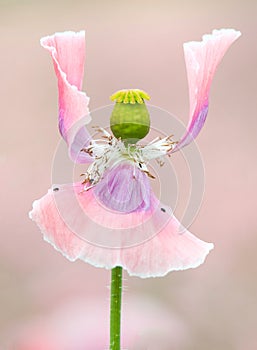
[110, 153]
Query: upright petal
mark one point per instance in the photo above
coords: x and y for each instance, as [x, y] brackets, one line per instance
[151, 242]
[68, 53]
[202, 59]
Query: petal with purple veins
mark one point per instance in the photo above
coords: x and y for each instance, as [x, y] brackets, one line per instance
[124, 188]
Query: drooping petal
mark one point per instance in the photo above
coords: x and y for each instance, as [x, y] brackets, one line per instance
[202, 59]
[68, 53]
[172, 249]
[124, 188]
[146, 243]
[59, 219]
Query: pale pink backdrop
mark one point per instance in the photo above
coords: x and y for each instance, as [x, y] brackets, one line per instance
[132, 44]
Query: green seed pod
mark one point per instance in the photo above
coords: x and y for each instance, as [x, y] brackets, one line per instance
[130, 119]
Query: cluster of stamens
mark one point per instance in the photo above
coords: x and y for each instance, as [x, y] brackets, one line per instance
[109, 151]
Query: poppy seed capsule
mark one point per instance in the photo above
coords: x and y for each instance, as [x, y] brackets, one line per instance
[130, 119]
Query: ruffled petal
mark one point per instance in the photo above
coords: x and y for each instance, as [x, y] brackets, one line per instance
[124, 188]
[68, 53]
[202, 59]
[59, 219]
[172, 249]
[146, 243]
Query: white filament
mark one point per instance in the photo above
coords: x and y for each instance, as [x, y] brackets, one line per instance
[109, 151]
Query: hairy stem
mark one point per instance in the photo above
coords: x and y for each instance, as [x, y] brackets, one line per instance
[115, 311]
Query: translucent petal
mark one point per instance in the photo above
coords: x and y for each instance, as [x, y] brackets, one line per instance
[124, 188]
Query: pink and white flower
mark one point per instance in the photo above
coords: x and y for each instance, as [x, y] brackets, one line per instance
[116, 199]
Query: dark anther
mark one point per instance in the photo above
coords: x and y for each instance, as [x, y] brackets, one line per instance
[55, 189]
[140, 165]
[162, 209]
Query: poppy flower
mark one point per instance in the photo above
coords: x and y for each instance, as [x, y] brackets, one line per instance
[113, 218]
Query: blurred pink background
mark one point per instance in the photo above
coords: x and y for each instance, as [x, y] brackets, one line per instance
[132, 44]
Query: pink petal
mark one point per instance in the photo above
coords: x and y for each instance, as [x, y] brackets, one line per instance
[172, 249]
[202, 59]
[150, 242]
[124, 188]
[68, 53]
[49, 215]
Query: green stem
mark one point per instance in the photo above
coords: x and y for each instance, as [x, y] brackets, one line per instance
[115, 312]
